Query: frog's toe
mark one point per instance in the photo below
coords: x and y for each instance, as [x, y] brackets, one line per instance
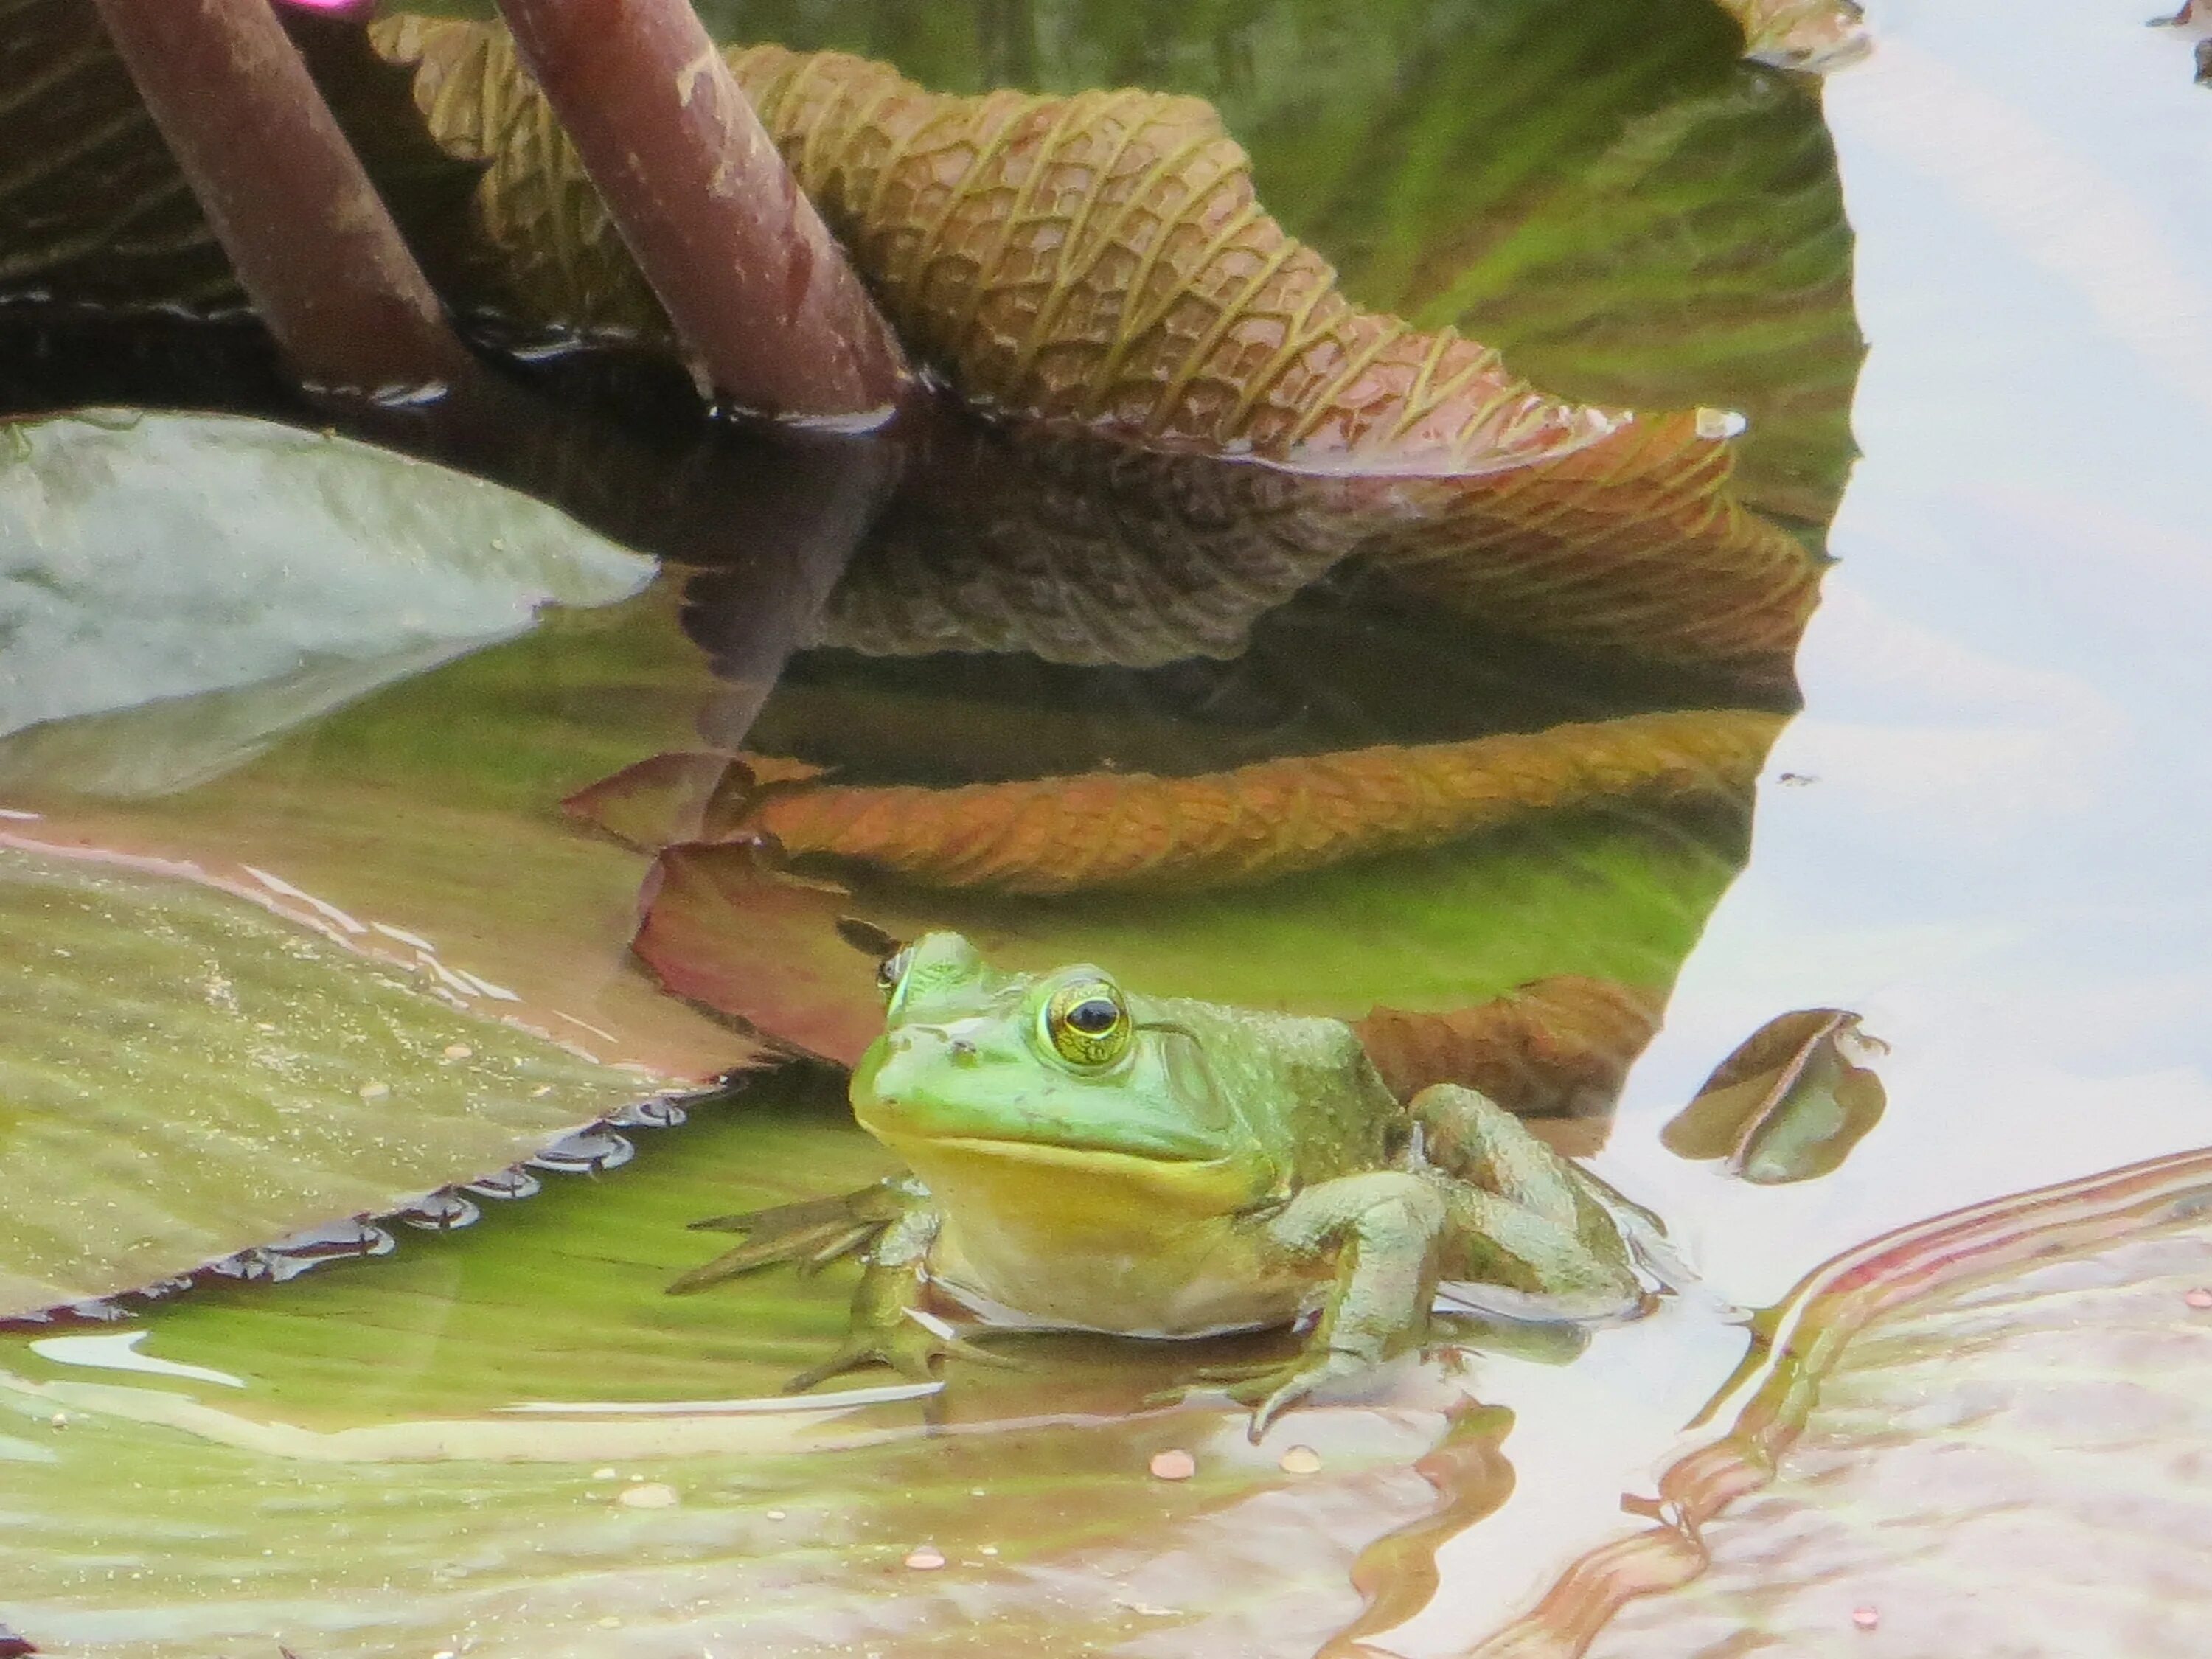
[1275, 1390]
[813, 1234]
[913, 1348]
[1245, 1372]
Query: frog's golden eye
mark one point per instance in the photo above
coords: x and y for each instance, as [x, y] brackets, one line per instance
[1087, 1023]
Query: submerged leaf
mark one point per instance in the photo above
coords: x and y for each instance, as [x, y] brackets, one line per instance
[1262, 822]
[183, 1075]
[1559, 1047]
[1101, 260]
[1787, 1105]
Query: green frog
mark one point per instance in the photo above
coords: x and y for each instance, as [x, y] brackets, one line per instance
[1087, 1158]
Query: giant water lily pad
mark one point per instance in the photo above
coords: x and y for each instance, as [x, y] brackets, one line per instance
[183, 1075]
[479, 1404]
[1141, 289]
[353, 681]
[1615, 897]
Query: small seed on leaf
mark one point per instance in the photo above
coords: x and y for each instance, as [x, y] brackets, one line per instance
[653, 1495]
[1866, 1617]
[459, 1051]
[1300, 1459]
[375, 1090]
[926, 1558]
[2200, 1298]
[1174, 1464]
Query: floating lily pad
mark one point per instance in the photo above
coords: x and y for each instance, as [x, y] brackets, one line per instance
[432, 1449]
[426, 815]
[148, 558]
[183, 1075]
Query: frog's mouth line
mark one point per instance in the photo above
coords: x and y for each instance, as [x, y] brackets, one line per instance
[1073, 1158]
[1075, 1152]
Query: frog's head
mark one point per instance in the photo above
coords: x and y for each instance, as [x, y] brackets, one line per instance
[1057, 1068]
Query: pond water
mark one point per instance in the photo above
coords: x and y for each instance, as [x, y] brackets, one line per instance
[310, 968]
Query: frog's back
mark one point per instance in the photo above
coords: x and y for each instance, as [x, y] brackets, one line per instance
[1304, 1087]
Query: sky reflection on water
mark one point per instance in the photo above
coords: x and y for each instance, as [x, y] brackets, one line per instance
[2000, 855]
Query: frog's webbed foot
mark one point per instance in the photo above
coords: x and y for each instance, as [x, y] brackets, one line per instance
[889, 1325]
[911, 1344]
[1274, 1388]
[812, 1233]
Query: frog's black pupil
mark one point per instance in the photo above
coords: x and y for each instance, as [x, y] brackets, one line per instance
[1094, 1017]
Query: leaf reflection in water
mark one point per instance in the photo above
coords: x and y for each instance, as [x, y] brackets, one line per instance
[1141, 291]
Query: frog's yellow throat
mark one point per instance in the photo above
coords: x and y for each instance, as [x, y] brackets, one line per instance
[1072, 1192]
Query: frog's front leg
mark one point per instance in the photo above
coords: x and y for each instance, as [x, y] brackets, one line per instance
[888, 1324]
[1522, 1216]
[1383, 1231]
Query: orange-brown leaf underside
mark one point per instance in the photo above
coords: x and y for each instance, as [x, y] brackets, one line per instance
[1275, 818]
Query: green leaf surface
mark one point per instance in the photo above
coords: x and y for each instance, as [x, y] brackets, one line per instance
[1611, 896]
[363, 1482]
[183, 1075]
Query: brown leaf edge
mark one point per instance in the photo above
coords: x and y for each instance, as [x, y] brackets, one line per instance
[1804, 1338]
[1752, 1112]
[1558, 1046]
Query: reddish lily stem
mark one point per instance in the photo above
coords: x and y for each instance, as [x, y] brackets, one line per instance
[770, 313]
[309, 237]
